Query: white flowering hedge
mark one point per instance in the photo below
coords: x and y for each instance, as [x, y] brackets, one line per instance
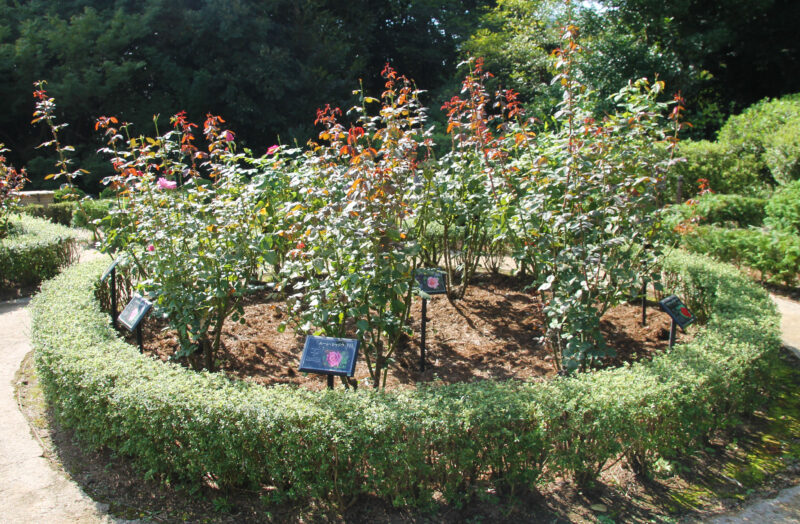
[403, 446]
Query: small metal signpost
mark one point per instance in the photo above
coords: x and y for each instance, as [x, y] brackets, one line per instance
[112, 272]
[330, 356]
[431, 282]
[680, 314]
[131, 317]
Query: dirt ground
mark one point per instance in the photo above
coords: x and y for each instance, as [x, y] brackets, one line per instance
[492, 334]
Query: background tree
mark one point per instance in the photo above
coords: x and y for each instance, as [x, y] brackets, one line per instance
[266, 66]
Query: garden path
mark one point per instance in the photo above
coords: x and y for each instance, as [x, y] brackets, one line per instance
[31, 490]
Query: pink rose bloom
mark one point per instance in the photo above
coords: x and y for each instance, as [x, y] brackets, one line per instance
[228, 136]
[334, 359]
[273, 149]
[433, 282]
[163, 183]
[151, 248]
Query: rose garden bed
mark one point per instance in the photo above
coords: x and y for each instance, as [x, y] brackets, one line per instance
[407, 446]
[492, 334]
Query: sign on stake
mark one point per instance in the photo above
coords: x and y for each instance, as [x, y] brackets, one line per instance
[431, 282]
[680, 314]
[131, 317]
[330, 356]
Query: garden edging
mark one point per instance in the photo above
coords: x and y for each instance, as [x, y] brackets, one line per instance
[404, 446]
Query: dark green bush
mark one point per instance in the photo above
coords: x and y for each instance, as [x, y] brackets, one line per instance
[35, 251]
[726, 171]
[712, 208]
[402, 446]
[60, 213]
[769, 132]
[774, 253]
[783, 209]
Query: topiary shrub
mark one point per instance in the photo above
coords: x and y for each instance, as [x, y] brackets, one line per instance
[403, 446]
[783, 209]
[726, 171]
[35, 251]
[768, 132]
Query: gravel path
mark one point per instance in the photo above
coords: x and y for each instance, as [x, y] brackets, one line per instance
[32, 491]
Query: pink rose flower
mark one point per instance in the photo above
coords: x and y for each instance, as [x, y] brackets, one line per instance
[273, 149]
[433, 282]
[334, 358]
[228, 136]
[151, 248]
[163, 183]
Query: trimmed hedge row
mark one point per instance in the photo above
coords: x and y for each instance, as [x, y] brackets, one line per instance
[404, 446]
[774, 253]
[35, 251]
[70, 213]
[713, 208]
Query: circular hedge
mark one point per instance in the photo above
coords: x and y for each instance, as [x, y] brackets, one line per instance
[405, 446]
[35, 250]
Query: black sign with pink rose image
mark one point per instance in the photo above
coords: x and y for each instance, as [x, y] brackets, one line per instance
[675, 308]
[431, 281]
[329, 356]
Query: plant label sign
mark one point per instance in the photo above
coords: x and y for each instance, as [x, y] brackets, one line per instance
[134, 312]
[675, 308]
[431, 281]
[330, 356]
[109, 270]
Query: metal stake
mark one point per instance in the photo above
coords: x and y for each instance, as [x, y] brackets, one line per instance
[422, 343]
[114, 297]
[139, 336]
[330, 382]
[644, 302]
[672, 331]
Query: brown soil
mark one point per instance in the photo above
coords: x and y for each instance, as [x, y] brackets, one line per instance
[492, 334]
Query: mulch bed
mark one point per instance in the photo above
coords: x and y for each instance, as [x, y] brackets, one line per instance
[492, 334]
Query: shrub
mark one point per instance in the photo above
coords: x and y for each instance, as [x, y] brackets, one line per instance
[35, 251]
[11, 183]
[782, 154]
[726, 171]
[60, 213]
[768, 132]
[68, 194]
[714, 208]
[402, 446]
[774, 253]
[783, 209]
[90, 211]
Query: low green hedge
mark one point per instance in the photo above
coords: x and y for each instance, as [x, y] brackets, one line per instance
[776, 254]
[404, 446]
[70, 213]
[35, 251]
[713, 208]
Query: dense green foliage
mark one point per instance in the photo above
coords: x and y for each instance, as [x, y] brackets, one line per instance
[774, 253]
[458, 440]
[725, 171]
[70, 213]
[713, 208]
[783, 208]
[35, 250]
[769, 132]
